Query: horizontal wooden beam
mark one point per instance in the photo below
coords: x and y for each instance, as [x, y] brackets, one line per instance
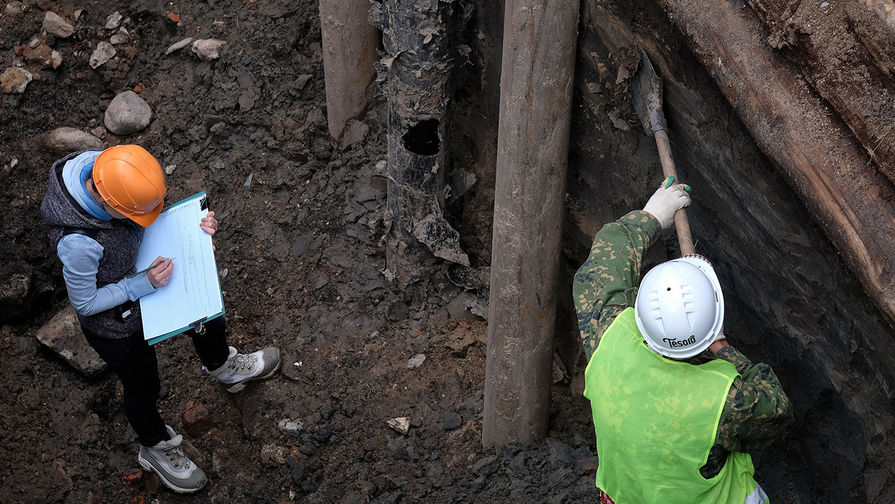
[840, 186]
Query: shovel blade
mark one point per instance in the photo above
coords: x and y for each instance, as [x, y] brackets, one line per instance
[646, 90]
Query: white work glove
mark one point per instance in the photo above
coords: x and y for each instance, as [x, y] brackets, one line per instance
[667, 200]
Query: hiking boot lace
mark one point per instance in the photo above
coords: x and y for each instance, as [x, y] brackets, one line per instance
[175, 456]
[242, 363]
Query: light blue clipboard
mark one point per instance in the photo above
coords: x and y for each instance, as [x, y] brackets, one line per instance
[193, 294]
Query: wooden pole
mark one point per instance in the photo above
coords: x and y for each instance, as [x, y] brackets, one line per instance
[532, 148]
[681, 222]
[831, 174]
[349, 51]
[847, 60]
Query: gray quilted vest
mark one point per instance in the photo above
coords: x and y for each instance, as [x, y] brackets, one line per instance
[120, 239]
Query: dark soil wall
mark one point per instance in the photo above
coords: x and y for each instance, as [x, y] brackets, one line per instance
[791, 301]
[474, 118]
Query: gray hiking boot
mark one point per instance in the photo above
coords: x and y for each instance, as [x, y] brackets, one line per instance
[176, 471]
[242, 368]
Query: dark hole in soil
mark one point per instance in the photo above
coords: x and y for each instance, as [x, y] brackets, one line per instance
[422, 138]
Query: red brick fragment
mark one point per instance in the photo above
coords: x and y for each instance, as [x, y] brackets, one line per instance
[132, 479]
[196, 418]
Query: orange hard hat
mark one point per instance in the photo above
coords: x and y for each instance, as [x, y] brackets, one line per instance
[131, 181]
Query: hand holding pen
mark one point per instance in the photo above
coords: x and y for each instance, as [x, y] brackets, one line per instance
[160, 271]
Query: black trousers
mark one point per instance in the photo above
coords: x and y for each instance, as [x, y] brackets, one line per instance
[135, 363]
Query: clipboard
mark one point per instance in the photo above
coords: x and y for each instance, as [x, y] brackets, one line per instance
[193, 294]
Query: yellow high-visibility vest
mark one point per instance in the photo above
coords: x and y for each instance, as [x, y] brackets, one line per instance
[656, 420]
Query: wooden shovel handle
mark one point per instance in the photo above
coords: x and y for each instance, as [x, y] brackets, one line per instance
[681, 224]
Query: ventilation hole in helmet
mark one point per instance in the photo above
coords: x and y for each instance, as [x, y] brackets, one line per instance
[668, 289]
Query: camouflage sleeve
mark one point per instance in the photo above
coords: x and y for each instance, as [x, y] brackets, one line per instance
[757, 410]
[606, 283]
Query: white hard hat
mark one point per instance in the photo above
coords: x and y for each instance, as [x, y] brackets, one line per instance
[679, 307]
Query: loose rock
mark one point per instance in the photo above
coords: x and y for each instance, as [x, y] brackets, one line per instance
[14, 80]
[98, 132]
[55, 59]
[354, 134]
[56, 25]
[132, 479]
[37, 52]
[458, 307]
[62, 334]
[301, 81]
[486, 466]
[14, 9]
[217, 128]
[451, 420]
[290, 425]
[127, 114]
[316, 117]
[119, 38]
[176, 46]
[400, 424]
[71, 139]
[15, 288]
[246, 100]
[102, 54]
[43, 55]
[416, 361]
[208, 49]
[323, 435]
[196, 418]
[113, 21]
[273, 455]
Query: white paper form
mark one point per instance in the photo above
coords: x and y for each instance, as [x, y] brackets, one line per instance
[193, 293]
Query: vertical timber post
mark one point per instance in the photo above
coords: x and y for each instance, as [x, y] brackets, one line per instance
[349, 52]
[416, 40]
[538, 69]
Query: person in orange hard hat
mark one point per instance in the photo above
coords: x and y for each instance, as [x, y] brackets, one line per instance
[97, 206]
[131, 182]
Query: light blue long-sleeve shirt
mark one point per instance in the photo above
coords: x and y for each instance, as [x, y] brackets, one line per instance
[80, 255]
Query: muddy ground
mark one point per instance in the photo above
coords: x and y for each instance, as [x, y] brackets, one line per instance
[300, 242]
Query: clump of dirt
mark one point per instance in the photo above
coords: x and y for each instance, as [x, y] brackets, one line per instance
[301, 255]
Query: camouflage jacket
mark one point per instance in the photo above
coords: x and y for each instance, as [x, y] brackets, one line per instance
[756, 411]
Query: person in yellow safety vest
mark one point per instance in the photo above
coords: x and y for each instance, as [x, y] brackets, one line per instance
[675, 407]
